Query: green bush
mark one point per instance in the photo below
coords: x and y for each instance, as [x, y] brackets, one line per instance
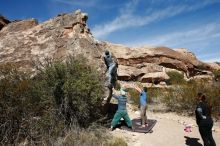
[179, 98]
[42, 108]
[152, 95]
[202, 67]
[182, 98]
[134, 96]
[175, 78]
[217, 75]
[77, 90]
[14, 102]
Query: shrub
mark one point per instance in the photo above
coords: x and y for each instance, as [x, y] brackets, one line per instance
[14, 101]
[118, 142]
[217, 75]
[202, 67]
[179, 98]
[182, 98]
[83, 137]
[42, 108]
[77, 90]
[89, 137]
[134, 96]
[152, 95]
[175, 78]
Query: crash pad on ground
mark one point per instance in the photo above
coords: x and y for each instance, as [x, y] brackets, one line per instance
[136, 123]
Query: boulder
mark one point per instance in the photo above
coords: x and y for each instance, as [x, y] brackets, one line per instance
[180, 60]
[131, 73]
[155, 77]
[204, 78]
[186, 53]
[28, 43]
[19, 26]
[214, 66]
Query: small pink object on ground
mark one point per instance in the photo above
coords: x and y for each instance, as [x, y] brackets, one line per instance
[188, 128]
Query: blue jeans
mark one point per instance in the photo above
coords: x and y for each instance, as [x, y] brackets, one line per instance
[112, 74]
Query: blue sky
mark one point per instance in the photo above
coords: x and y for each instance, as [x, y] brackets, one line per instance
[191, 24]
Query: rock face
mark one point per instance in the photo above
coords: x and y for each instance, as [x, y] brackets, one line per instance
[186, 53]
[146, 63]
[19, 26]
[214, 66]
[27, 42]
[3, 21]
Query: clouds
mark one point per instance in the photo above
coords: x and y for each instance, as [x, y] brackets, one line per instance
[127, 17]
[177, 24]
[180, 37]
[92, 5]
[210, 57]
[79, 3]
[202, 40]
[124, 20]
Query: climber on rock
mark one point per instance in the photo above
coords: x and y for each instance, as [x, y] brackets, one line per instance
[112, 66]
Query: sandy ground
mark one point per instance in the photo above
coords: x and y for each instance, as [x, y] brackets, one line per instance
[169, 131]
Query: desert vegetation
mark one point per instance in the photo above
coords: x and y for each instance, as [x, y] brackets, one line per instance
[175, 78]
[58, 106]
[153, 94]
[217, 75]
[180, 95]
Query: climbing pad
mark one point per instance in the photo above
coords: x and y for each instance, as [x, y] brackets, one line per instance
[137, 126]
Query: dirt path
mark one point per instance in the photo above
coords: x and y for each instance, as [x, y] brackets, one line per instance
[167, 132]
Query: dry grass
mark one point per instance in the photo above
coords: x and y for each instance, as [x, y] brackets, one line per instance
[97, 136]
[118, 142]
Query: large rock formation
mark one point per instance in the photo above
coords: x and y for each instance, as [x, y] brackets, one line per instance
[18, 26]
[27, 42]
[214, 66]
[148, 63]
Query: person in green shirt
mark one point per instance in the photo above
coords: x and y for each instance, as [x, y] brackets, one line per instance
[122, 110]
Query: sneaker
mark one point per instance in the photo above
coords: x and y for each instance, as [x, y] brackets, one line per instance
[112, 128]
[143, 126]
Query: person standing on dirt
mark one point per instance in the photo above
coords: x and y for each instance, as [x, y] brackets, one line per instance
[143, 105]
[204, 120]
[111, 65]
[122, 110]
